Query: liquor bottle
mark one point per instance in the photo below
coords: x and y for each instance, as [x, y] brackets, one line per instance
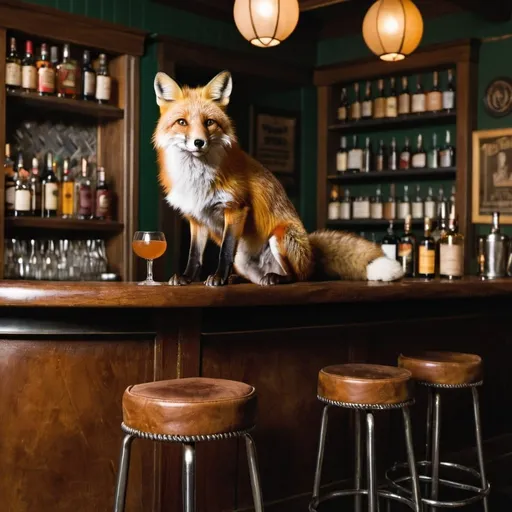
[28, 69]
[380, 157]
[418, 98]
[417, 206]
[427, 253]
[405, 155]
[449, 94]
[22, 196]
[35, 188]
[451, 252]
[441, 222]
[67, 79]
[361, 207]
[13, 68]
[430, 204]
[392, 100]
[407, 249]
[67, 189]
[404, 100]
[50, 189]
[333, 209]
[452, 201]
[343, 107]
[404, 204]
[379, 104]
[355, 108]
[433, 154]
[389, 243]
[367, 109]
[447, 154]
[376, 209]
[494, 251]
[434, 96]
[393, 161]
[367, 156]
[342, 156]
[419, 157]
[10, 182]
[103, 81]
[85, 210]
[45, 73]
[88, 77]
[355, 156]
[346, 206]
[389, 206]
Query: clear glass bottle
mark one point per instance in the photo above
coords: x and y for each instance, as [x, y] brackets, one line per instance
[404, 204]
[22, 194]
[407, 249]
[390, 205]
[449, 94]
[346, 206]
[430, 204]
[361, 207]
[35, 262]
[441, 225]
[67, 75]
[392, 100]
[417, 206]
[333, 209]
[355, 157]
[451, 252]
[390, 242]
[427, 253]
[367, 107]
[342, 156]
[380, 158]
[343, 107]
[447, 153]
[35, 188]
[434, 96]
[367, 156]
[393, 160]
[404, 100]
[418, 102]
[355, 107]
[376, 206]
[379, 103]
[419, 157]
[103, 81]
[433, 154]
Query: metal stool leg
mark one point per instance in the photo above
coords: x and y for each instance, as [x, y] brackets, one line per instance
[478, 431]
[189, 477]
[358, 465]
[320, 455]
[122, 475]
[436, 439]
[428, 442]
[254, 474]
[373, 498]
[411, 459]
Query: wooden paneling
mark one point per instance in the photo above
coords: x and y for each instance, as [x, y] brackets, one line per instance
[3, 39]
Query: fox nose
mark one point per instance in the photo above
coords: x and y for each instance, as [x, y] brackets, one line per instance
[199, 143]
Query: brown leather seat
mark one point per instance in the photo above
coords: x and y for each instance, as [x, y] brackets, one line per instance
[364, 384]
[449, 368]
[190, 407]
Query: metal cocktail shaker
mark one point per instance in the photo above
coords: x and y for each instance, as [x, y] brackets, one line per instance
[493, 251]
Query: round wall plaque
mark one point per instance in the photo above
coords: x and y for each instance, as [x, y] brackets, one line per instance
[498, 97]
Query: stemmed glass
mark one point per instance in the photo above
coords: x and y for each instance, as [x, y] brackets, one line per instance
[149, 245]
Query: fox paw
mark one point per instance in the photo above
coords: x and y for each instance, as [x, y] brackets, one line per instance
[384, 269]
[272, 279]
[177, 280]
[216, 280]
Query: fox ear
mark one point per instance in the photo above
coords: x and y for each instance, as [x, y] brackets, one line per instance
[219, 88]
[166, 89]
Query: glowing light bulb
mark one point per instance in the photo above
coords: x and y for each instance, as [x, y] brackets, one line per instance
[391, 25]
[265, 8]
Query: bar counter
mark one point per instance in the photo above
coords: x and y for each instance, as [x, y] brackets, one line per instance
[69, 350]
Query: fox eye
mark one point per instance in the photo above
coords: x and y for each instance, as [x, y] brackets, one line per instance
[182, 122]
[210, 122]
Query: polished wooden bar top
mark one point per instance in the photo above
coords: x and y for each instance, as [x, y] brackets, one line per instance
[98, 295]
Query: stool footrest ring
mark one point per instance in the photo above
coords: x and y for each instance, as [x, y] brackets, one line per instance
[450, 386]
[349, 405]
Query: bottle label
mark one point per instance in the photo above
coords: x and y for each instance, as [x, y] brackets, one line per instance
[417, 210]
[67, 76]
[390, 210]
[85, 200]
[389, 250]
[404, 209]
[451, 260]
[405, 160]
[419, 160]
[391, 107]
[355, 159]
[68, 198]
[404, 104]
[430, 209]
[89, 83]
[9, 197]
[379, 163]
[427, 260]
[448, 100]
[29, 77]
[341, 161]
[405, 250]
[103, 87]
[379, 108]
[418, 103]
[13, 74]
[355, 111]
[376, 211]
[434, 101]
[445, 158]
[367, 108]
[333, 211]
[22, 200]
[345, 211]
[46, 80]
[51, 196]
[361, 209]
[342, 114]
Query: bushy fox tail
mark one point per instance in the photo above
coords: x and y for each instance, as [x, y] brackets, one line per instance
[341, 255]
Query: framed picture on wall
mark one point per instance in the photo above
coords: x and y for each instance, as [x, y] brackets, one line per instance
[492, 175]
[274, 142]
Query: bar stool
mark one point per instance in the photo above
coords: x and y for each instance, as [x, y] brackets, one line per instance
[365, 388]
[187, 411]
[443, 371]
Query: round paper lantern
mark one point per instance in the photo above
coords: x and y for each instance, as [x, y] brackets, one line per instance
[393, 29]
[266, 22]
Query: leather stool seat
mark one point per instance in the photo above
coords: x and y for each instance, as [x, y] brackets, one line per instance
[445, 368]
[190, 407]
[364, 384]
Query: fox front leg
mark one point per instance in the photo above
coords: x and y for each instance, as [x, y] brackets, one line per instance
[234, 221]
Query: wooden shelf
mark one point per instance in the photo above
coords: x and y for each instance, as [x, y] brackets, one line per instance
[406, 121]
[399, 175]
[86, 108]
[63, 225]
[368, 223]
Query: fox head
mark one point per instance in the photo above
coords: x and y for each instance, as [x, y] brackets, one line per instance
[193, 120]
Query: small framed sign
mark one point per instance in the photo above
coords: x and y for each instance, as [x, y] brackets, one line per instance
[492, 175]
[498, 97]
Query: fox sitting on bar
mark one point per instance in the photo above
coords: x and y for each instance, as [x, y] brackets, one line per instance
[231, 198]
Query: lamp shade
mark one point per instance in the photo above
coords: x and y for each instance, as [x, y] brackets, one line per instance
[266, 22]
[393, 29]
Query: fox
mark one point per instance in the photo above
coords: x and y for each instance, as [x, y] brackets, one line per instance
[229, 197]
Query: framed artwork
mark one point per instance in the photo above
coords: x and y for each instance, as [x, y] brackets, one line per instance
[492, 175]
[498, 97]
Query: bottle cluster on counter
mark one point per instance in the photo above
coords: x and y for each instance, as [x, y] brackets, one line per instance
[47, 189]
[47, 74]
[343, 206]
[358, 159]
[397, 101]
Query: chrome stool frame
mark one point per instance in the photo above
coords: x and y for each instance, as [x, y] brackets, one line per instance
[189, 464]
[433, 463]
[373, 492]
